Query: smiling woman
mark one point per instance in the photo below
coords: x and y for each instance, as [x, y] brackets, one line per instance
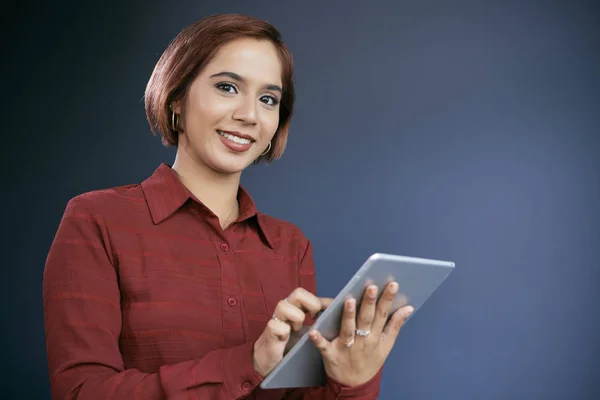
[227, 35]
[178, 287]
[231, 110]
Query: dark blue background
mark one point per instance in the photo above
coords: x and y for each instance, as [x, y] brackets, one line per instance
[464, 130]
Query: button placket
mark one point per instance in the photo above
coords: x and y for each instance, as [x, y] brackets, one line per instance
[230, 295]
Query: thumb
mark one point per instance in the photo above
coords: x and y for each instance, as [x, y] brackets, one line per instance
[322, 344]
[278, 331]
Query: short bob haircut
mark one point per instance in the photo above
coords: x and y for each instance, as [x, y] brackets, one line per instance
[191, 50]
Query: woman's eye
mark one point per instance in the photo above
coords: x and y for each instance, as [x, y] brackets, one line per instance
[269, 100]
[227, 87]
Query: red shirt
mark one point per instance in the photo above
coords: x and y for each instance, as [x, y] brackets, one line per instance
[146, 297]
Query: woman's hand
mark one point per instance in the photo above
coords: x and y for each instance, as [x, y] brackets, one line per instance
[289, 314]
[364, 343]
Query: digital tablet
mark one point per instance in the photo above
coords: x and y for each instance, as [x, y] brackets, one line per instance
[418, 278]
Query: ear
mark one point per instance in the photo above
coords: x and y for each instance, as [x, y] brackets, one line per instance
[176, 107]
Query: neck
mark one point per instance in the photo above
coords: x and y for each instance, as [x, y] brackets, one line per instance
[215, 190]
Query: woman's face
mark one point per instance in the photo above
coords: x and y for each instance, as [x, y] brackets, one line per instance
[231, 110]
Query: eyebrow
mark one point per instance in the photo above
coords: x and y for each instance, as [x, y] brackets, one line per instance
[238, 78]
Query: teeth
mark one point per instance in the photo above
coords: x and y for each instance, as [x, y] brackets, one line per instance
[233, 138]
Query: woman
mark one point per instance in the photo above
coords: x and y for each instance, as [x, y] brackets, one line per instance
[178, 287]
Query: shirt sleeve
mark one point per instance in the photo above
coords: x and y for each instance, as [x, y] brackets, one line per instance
[82, 318]
[332, 389]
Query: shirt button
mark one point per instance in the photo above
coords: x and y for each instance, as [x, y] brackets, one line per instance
[231, 301]
[224, 247]
[246, 386]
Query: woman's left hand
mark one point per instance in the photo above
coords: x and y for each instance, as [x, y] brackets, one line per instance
[364, 343]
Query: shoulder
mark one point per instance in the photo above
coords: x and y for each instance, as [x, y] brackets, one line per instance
[108, 201]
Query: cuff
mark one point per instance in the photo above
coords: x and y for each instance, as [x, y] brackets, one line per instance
[367, 390]
[233, 367]
[238, 372]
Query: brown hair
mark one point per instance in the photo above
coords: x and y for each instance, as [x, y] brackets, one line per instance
[191, 50]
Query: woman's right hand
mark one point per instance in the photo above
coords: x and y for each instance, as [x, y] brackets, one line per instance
[289, 314]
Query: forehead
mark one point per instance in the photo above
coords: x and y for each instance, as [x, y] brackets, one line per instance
[255, 60]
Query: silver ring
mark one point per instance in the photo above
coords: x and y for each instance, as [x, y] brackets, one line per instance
[360, 332]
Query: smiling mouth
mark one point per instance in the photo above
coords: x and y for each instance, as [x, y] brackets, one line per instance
[233, 138]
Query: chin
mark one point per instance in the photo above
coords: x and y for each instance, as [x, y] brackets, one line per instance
[230, 165]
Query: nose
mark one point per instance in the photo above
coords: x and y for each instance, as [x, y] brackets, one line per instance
[246, 110]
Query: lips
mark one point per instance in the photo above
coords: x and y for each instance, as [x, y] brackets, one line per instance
[236, 137]
[235, 141]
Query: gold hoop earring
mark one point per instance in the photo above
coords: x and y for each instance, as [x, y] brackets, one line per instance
[268, 149]
[174, 121]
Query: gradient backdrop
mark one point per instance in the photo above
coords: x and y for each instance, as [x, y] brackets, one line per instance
[464, 130]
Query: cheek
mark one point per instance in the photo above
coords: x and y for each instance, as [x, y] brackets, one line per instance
[270, 122]
[209, 111]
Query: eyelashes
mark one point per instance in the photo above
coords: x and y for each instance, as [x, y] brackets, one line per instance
[227, 87]
[273, 101]
[230, 88]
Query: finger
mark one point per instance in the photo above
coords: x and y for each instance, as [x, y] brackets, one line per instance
[278, 331]
[392, 328]
[325, 302]
[348, 321]
[384, 305]
[285, 311]
[322, 344]
[306, 301]
[367, 308]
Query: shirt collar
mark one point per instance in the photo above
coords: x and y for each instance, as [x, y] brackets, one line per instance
[165, 194]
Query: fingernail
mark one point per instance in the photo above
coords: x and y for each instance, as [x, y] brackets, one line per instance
[372, 291]
[393, 287]
[351, 305]
[409, 311]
